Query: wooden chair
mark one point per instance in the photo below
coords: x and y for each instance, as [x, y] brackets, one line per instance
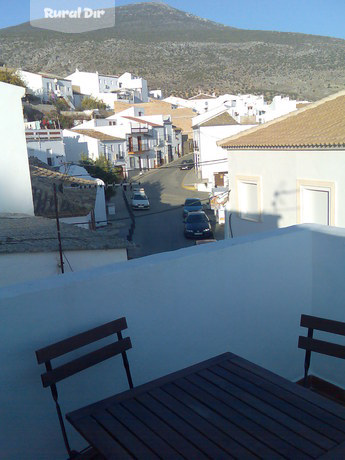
[320, 346]
[54, 375]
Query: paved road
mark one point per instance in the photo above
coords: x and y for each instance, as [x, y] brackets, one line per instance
[160, 229]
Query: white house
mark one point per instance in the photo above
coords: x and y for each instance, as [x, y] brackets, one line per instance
[93, 143]
[110, 88]
[48, 87]
[151, 140]
[211, 162]
[290, 170]
[15, 183]
[278, 107]
[47, 145]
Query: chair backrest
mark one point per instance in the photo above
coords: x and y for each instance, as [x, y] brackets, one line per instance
[320, 346]
[54, 375]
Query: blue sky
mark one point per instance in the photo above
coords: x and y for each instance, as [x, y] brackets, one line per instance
[319, 17]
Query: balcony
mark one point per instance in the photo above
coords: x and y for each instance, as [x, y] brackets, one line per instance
[142, 130]
[180, 310]
[138, 148]
[33, 135]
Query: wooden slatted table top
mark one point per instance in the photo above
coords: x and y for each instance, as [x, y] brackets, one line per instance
[225, 407]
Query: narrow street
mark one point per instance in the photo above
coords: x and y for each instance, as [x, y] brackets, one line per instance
[160, 229]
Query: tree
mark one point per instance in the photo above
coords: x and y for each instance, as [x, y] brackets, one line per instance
[104, 170]
[11, 76]
[90, 102]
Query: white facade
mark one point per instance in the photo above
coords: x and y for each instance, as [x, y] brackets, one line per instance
[137, 84]
[48, 87]
[242, 107]
[46, 145]
[15, 183]
[156, 93]
[110, 88]
[278, 107]
[278, 188]
[22, 267]
[253, 285]
[78, 144]
[210, 159]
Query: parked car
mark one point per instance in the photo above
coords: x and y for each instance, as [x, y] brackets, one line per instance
[187, 164]
[190, 205]
[140, 201]
[197, 225]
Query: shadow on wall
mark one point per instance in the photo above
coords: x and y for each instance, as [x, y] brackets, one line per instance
[238, 226]
[74, 148]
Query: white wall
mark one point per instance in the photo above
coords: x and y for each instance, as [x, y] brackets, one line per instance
[249, 303]
[278, 172]
[20, 267]
[15, 182]
[40, 149]
[78, 144]
[87, 81]
[210, 153]
[33, 81]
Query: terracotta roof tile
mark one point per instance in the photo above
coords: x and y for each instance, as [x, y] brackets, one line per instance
[180, 117]
[223, 119]
[144, 122]
[97, 135]
[318, 125]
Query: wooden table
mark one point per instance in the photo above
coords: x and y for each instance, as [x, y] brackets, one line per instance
[225, 407]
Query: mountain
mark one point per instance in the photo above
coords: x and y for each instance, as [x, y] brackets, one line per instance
[182, 54]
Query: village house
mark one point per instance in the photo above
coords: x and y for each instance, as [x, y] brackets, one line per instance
[48, 87]
[150, 141]
[244, 108]
[209, 159]
[181, 118]
[47, 145]
[15, 184]
[289, 171]
[110, 88]
[93, 143]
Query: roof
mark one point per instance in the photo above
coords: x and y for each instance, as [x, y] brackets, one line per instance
[144, 122]
[201, 96]
[180, 117]
[76, 200]
[318, 125]
[50, 75]
[21, 233]
[223, 119]
[97, 135]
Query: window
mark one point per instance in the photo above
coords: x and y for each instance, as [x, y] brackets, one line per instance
[315, 202]
[248, 197]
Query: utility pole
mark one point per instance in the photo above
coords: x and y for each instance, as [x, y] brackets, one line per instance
[58, 229]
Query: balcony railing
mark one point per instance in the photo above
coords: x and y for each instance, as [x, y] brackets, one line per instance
[136, 148]
[143, 130]
[43, 135]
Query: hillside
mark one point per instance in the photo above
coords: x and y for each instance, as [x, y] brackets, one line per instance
[182, 53]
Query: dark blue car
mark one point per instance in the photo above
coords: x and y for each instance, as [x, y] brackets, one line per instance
[197, 225]
[191, 205]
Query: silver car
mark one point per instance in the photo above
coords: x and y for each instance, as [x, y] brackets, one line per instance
[140, 201]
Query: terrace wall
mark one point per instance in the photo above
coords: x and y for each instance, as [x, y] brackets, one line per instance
[244, 295]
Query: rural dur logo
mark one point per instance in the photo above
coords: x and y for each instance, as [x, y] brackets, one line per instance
[72, 16]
